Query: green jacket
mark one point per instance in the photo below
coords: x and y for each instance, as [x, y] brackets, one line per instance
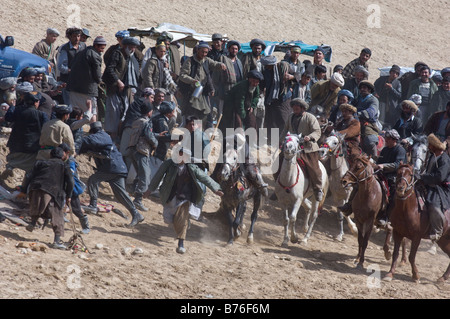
[234, 104]
[169, 170]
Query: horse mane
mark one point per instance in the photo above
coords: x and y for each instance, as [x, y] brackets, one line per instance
[406, 165]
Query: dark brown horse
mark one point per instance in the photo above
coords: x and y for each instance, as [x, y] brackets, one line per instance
[408, 221]
[367, 202]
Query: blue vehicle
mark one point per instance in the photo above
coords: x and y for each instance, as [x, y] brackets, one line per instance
[13, 61]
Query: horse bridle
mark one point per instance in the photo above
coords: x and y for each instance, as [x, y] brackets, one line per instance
[368, 176]
[409, 186]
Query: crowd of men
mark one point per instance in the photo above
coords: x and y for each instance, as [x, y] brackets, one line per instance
[133, 98]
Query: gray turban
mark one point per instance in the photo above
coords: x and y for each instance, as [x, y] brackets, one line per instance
[7, 83]
[392, 134]
[269, 60]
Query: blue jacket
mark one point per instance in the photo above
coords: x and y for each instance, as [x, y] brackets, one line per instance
[107, 157]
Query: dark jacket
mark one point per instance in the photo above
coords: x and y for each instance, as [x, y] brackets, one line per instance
[161, 124]
[133, 112]
[86, 72]
[391, 158]
[116, 69]
[433, 124]
[107, 158]
[407, 128]
[52, 176]
[437, 182]
[26, 131]
[236, 103]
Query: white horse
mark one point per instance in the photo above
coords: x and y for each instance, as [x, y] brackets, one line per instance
[332, 151]
[293, 190]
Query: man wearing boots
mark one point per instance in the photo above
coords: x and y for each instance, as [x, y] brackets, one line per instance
[437, 183]
[142, 142]
[302, 122]
[110, 168]
[49, 185]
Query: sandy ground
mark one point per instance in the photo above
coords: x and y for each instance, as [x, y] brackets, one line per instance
[142, 262]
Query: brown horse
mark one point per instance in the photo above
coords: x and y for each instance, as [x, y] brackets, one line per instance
[367, 202]
[408, 221]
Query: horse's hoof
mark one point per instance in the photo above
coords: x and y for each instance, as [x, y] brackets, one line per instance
[250, 241]
[339, 237]
[417, 281]
[359, 266]
[294, 240]
[304, 242]
[432, 250]
[441, 280]
[285, 244]
[387, 278]
[387, 255]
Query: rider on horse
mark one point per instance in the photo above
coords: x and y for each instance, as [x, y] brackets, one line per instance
[301, 122]
[388, 162]
[437, 183]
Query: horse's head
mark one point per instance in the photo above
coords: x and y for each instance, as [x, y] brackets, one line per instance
[360, 170]
[419, 152]
[291, 145]
[330, 146]
[230, 163]
[405, 179]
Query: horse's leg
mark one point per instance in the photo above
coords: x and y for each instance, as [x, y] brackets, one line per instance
[315, 213]
[293, 219]
[367, 231]
[352, 226]
[412, 258]
[307, 205]
[286, 227]
[240, 212]
[229, 214]
[254, 217]
[445, 276]
[340, 216]
[397, 241]
[387, 253]
[404, 258]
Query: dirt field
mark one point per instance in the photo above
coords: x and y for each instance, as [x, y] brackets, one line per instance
[141, 263]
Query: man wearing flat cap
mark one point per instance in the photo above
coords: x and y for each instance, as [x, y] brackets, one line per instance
[278, 93]
[319, 59]
[305, 123]
[216, 47]
[23, 142]
[55, 132]
[391, 157]
[46, 48]
[241, 102]
[196, 72]
[121, 77]
[437, 183]
[85, 78]
[252, 60]
[388, 91]
[110, 168]
[362, 60]
[66, 55]
[366, 100]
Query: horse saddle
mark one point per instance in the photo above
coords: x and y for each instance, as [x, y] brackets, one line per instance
[302, 165]
[384, 189]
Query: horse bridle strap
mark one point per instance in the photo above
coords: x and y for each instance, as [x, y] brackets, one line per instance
[288, 188]
[409, 187]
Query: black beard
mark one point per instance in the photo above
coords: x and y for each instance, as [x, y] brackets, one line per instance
[405, 116]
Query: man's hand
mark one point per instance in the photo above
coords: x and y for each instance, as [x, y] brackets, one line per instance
[21, 196]
[219, 193]
[120, 85]
[306, 138]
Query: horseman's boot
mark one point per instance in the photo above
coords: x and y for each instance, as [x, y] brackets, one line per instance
[84, 222]
[346, 209]
[138, 203]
